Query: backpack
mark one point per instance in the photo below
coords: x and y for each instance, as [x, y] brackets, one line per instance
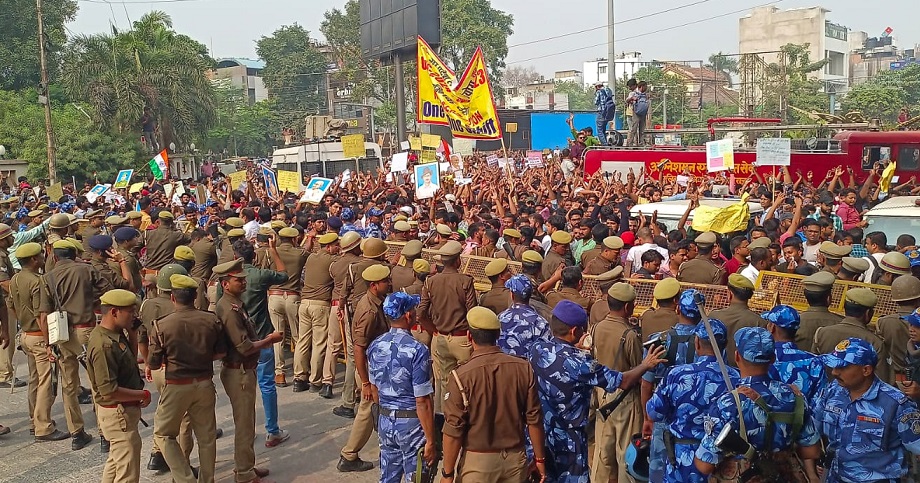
[608, 107]
[876, 270]
[640, 107]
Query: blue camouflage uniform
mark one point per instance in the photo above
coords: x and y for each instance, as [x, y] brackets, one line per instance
[373, 230]
[521, 324]
[566, 376]
[399, 367]
[683, 354]
[793, 366]
[680, 404]
[756, 345]
[869, 436]
[348, 217]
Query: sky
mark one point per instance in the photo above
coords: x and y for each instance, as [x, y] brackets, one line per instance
[231, 27]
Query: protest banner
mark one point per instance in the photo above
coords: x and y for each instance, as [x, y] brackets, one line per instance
[415, 143]
[534, 159]
[123, 179]
[271, 183]
[288, 181]
[492, 159]
[435, 81]
[201, 194]
[720, 155]
[774, 151]
[136, 187]
[56, 192]
[353, 146]
[236, 178]
[399, 163]
[315, 191]
[96, 192]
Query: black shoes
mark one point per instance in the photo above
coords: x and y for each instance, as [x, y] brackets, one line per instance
[326, 391]
[56, 435]
[80, 440]
[14, 383]
[157, 462]
[358, 464]
[104, 445]
[85, 396]
[344, 412]
[301, 386]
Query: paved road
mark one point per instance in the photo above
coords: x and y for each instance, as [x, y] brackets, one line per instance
[309, 456]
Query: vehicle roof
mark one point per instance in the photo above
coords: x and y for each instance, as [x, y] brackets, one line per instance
[887, 137]
[676, 209]
[896, 206]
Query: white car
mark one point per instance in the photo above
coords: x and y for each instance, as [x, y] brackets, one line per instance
[894, 217]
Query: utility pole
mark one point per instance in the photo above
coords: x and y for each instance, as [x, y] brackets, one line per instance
[43, 97]
[611, 51]
[400, 99]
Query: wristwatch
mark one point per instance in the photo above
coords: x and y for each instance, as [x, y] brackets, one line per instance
[445, 474]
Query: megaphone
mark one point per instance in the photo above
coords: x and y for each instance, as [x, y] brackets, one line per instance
[730, 442]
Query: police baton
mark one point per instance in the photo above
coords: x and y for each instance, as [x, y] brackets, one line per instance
[700, 302]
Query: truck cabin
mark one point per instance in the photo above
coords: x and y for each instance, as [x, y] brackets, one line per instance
[901, 147]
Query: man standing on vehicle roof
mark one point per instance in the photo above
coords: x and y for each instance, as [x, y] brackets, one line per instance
[606, 110]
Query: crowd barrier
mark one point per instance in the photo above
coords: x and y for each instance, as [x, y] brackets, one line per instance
[790, 291]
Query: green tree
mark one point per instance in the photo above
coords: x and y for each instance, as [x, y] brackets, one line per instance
[792, 80]
[80, 151]
[679, 112]
[294, 73]
[19, 48]
[467, 24]
[151, 65]
[242, 129]
[581, 98]
[719, 62]
[875, 100]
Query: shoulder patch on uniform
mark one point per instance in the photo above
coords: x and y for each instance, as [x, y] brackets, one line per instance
[447, 395]
[122, 346]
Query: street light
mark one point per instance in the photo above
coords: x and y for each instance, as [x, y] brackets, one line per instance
[172, 147]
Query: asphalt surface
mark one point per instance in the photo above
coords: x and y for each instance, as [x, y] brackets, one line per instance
[310, 455]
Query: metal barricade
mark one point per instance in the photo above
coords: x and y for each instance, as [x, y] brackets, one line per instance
[791, 291]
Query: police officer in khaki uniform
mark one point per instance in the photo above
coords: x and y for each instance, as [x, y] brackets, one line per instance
[663, 317]
[817, 289]
[830, 255]
[422, 271]
[701, 269]
[498, 298]
[59, 227]
[186, 343]
[152, 309]
[619, 348]
[6, 273]
[205, 251]
[162, 242]
[512, 249]
[485, 425]
[905, 291]
[126, 238]
[25, 292]
[555, 257]
[340, 327]
[369, 323]
[400, 231]
[238, 372]
[185, 257]
[570, 289]
[403, 275]
[859, 308]
[893, 265]
[102, 254]
[225, 246]
[532, 266]
[118, 390]
[599, 308]
[607, 259]
[78, 287]
[93, 222]
[284, 303]
[314, 319]
[852, 269]
[446, 298]
[737, 314]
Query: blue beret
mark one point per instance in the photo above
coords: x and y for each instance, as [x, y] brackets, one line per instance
[914, 257]
[375, 212]
[755, 344]
[211, 203]
[520, 285]
[718, 329]
[783, 316]
[52, 205]
[22, 213]
[334, 222]
[687, 303]
[348, 214]
[912, 318]
[571, 314]
[126, 233]
[849, 352]
[100, 242]
[398, 304]
[67, 207]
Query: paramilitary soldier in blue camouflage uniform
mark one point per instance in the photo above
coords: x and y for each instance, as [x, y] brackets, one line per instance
[521, 324]
[793, 366]
[762, 399]
[868, 424]
[399, 367]
[681, 401]
[566, 375]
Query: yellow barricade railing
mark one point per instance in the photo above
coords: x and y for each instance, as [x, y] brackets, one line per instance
[791, 291]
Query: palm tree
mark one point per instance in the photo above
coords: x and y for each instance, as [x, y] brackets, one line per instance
[150, 65]
[724, 65]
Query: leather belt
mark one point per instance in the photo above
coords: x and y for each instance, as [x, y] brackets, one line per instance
[187, 380]
[113, 406]
[236, 365]
[281, 292]
[147, 271]
[88, 325]
[37, 333]
[398, 413]
[507, 450]
[458, 333]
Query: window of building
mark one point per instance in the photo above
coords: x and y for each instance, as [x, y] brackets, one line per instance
[602, 69]
[909, 157]
[836, 64]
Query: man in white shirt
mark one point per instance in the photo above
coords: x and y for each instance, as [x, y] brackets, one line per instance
[251, 227]
[877, 246]
[760, 260]
[644, 242]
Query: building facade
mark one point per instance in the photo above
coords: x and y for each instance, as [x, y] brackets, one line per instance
[626, 65]
[243, 74]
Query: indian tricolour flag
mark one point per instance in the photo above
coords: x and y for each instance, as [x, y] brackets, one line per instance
[159, 165]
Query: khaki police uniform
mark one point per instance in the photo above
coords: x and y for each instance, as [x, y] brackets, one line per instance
[826, 338]
[314, 352]
[284, 304]
[497, 299]
[553, 297]
[736, 316]
[893, 331]
[340, 332]
[162, 243]
[700, 271]
[205, 258]
[660, 319]
[25, 297]
[6, 354]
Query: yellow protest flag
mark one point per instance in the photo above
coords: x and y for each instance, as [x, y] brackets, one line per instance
[353, 146]
[136, 187]
[415, 143]
[236, 179]
[887, 175]
[722, 220]
[435, 81]
[288, 181]
[56, 192]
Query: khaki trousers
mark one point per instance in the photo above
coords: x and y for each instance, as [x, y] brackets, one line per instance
[40, 396]
[70, 379]
[361, 429]
[508, 466]
[349, 390]
[185, 428]
[449, 351]
[241, 387]
[311, 345]
[611, 437]
[282, 309]
[119, 426]
[422, 336]
[7, 372]
[212, 297]
[333, 346]
[198, 401]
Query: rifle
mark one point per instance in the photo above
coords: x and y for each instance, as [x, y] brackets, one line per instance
[610, 407]
[425, 473]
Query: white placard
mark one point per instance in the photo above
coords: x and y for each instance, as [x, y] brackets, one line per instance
[315, 191]
[720, 155]
[774, 151]
[399, 163]
[405, 146]
[682, 180]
